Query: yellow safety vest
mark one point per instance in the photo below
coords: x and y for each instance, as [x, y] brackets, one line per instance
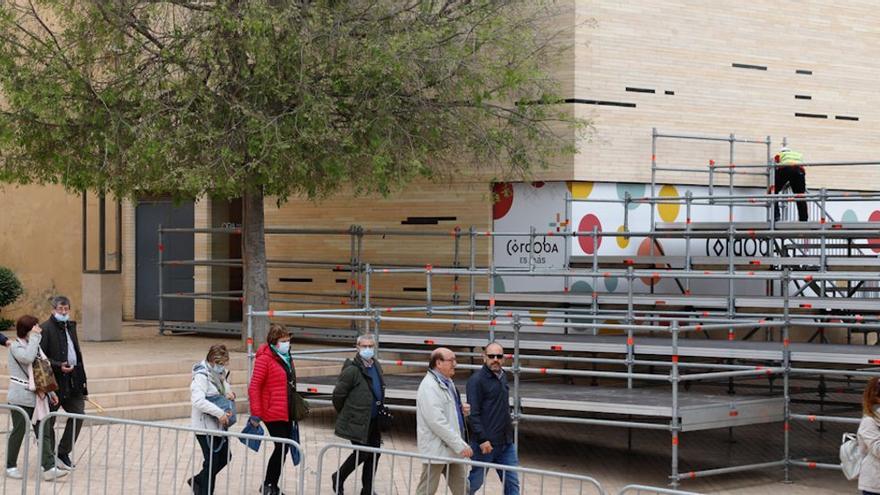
[791, 158]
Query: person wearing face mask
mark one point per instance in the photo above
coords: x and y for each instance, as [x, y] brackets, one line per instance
[61, 346]
[271, 394]
[210, 381]
[357, 397]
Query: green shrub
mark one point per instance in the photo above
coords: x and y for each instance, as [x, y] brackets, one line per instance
[6, 324]
[10, 287]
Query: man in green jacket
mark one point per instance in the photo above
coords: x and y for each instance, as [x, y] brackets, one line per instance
[357, 398]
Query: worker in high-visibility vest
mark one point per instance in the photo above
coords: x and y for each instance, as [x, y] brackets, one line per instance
[789, 169]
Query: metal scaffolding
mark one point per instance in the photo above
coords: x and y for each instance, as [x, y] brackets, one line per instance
[817, 275]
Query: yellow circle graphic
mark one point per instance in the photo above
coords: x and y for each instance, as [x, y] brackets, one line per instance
[579, 190]
[622, 241]
[538, 316]
[668, 211]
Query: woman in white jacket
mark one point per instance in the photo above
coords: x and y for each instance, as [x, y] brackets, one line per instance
[210, 382]
[869, 439]
[22, 393]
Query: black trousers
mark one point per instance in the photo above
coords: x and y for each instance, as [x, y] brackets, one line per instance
[368, 459]
[75, 404]
[215, 452]
[796, 177]
[280, 429]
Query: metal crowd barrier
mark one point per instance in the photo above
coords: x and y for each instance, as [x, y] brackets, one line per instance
[114, 455]
[23, 463]
[398, 472]
[652, 490]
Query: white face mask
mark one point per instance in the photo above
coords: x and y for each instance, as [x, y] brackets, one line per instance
[283, 347]
[61, 318]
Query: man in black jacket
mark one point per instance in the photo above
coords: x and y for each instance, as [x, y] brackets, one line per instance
[358, 396]
[61, 346]
[491, 428]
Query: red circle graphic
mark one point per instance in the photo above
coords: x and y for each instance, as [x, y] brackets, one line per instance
[586, 225]
[874, 243]
[502, 193]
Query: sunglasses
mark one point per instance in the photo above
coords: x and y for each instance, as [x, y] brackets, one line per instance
[495, 356]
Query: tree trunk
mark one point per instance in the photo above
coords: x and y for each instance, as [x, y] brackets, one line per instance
[253, 248]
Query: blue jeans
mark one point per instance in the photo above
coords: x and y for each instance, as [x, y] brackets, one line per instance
[501, 454]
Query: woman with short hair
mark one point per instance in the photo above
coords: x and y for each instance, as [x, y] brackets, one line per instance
[212, 406]
[271, 393]
[24, 351]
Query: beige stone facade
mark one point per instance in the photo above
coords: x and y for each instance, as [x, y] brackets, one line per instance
[41, 243]
[800, 70]
[746, 68]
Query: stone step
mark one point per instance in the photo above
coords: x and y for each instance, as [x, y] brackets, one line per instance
[101, 381]
[147, 395]
[160, 412]
[237, 363]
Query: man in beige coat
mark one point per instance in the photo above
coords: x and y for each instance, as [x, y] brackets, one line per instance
[441, 427]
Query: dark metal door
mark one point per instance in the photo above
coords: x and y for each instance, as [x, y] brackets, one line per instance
[149, 215]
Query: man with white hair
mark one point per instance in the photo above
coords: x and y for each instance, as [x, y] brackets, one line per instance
[440, 426]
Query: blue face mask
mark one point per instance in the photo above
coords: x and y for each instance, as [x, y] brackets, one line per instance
[61, 318]
[218, 369]
[283, 347]
[367, 352]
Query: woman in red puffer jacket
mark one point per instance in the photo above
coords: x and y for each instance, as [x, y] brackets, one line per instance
[273, 383]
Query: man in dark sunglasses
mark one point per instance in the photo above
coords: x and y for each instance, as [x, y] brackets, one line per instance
[491, 429]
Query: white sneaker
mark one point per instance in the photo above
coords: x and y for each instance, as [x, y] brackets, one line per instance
[53, 473]
[13, 473]
[64, 463]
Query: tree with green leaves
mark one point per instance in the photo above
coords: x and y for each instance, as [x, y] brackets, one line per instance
[274, 98]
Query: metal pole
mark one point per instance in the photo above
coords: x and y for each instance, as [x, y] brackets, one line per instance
[516, 372]
[531, 249]
[731, 307]
[492, 276]
[653, 171]
[711, 179]
[566, 264]
[674, 426]
[456, 263]
[368, 271]
[352, 265]
[428, 289]
[595, 292]
[732, 171]
[360, 266]
[687, 242]
[630, 347]
[161, 248]
[823, 260]
[786, 364]
[472, 234]
[250, 340]
[770, 179]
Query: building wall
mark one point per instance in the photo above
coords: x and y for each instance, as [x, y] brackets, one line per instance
[689, 48]
[419, 207]
[41, 243]
[819, 49]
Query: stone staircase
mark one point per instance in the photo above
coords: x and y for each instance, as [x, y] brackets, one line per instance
[159, 390]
